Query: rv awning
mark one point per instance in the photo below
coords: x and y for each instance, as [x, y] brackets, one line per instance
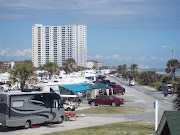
[76, 88]
[85, 84]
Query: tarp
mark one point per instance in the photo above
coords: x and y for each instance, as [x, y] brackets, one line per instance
[100, 86]
[85, 84]
[76, 88]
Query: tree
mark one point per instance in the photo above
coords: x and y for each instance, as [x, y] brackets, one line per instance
[119, 68]
[22, 71]
[70, 66]
[2, 68]
[124, 67]
[81, 68]
[148, 77]
[172, 65]
[134, 67]
[51, 68]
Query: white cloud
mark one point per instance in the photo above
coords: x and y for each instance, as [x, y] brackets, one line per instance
[115, 57]
[26, 53]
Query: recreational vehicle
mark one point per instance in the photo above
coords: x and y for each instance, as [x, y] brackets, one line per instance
[29, 108]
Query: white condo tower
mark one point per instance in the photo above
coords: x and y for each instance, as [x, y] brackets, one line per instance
[58, 43]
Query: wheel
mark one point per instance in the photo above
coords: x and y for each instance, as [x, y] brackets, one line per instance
[123, 92]
[61, 119]
[68, 109]
[27, 124]
[93, 103]
[113, 103]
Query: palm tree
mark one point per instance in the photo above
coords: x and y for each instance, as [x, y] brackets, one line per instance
[172, 65]
[22, 71]
[124, 67]
[134, 67]
[119, 67]
[2, 68]
[70, 66]
[51, 68]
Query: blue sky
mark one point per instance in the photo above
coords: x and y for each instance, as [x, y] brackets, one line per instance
[118, 31]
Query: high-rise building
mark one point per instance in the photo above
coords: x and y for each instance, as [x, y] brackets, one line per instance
[58, 43]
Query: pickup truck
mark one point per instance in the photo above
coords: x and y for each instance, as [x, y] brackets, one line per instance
[118, 89]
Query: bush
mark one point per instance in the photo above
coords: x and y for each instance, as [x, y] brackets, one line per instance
[155, 85]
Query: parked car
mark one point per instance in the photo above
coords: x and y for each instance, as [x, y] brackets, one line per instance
[131, 82]
[160, 88]
[107, 82]
[119, 75]
[169, 88]
[69, 106]
[106, 100]
[102, 77]
[118, 89]
[112, 83]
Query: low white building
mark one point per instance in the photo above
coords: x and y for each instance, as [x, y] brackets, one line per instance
[91, 64]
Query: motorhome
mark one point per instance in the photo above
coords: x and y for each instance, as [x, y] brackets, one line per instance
[29, 108]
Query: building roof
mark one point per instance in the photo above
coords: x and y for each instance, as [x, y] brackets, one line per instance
[170, 123]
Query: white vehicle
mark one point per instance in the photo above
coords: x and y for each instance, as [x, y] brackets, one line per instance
[131, 83]
[29, 108]
[169, 88]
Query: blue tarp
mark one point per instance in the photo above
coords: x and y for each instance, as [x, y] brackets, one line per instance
[85, 84]
[76, 88]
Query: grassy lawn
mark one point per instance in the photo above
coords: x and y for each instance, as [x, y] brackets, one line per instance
[123, 128]
[110, 110]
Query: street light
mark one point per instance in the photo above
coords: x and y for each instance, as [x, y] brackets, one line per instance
[171, 49]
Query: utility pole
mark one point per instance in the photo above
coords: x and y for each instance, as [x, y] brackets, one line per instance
[172, 51]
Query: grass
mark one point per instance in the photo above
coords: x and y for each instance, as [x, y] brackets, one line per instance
[123, 128]
[128, 100]
[110, 110]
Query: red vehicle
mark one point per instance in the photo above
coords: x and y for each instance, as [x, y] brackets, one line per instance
[118, 89]
[106, 100]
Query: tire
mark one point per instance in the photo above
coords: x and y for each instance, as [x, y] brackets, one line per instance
[27, 124]
[123, 92]
[61, 119]
[69, 109]
[93, 103]
[114, 103]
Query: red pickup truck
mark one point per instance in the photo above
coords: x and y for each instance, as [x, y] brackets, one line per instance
[118, 89]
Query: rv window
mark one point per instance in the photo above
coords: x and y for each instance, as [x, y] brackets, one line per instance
[55, 104]
[17, 103]
[36, 102]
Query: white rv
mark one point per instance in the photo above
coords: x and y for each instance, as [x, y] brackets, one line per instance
[29, 108]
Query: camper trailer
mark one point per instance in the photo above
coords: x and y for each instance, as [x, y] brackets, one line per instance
[29, 108]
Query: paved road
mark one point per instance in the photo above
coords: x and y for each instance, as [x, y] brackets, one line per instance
[144, 97]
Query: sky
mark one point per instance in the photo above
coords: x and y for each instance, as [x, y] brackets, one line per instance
[118, 31]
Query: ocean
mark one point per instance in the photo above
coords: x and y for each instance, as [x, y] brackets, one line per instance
[160, 71]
